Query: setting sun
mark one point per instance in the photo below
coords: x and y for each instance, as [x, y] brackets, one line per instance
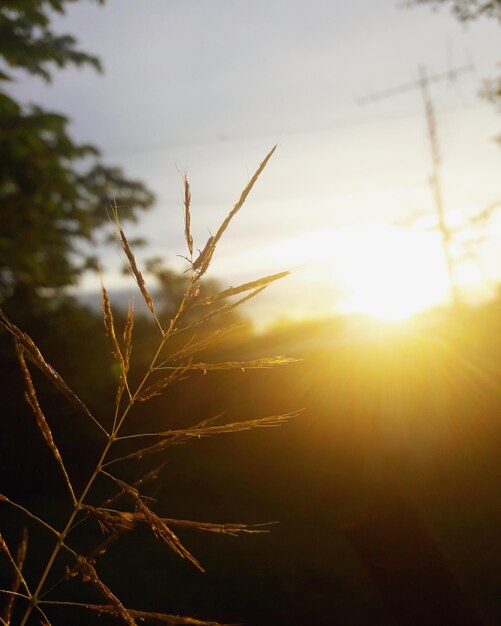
[385, 271]
[392, 272]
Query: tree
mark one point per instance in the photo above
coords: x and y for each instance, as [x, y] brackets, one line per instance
[466, 10]
[53, 191]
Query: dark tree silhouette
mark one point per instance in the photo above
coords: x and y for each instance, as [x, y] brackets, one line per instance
[53, 191]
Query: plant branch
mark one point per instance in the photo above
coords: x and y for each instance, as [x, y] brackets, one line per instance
[163, 618]
[100, 463]
[34, 517]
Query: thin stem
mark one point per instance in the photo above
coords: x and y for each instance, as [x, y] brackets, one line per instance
[117, 460]
[24, 597]
[20, 595]
[15, 593]
[100, 426]
[18, 571]
[46, 593]
[41, 522]
[117, 409]
[44, 615]
[110, 476]
[62, 536]
[111, 439]
[64, 603]
[162, 332]
[31, 515]
[123, 437]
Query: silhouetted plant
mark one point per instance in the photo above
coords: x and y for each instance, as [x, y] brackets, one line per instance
[126, 507]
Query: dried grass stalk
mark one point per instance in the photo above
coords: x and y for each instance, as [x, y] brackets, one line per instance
[150, 476]
[116, 530]
[125, 354]
[32, 400]
[177, 437]
[113, 522]
[187, 217]
[221, 529]
[116, 522]
[201, 263]
[18, 569]
[263, 363]
[89, 574]
[232, 427]
[158, 526]
[103, 546]
[160, 385]
[132, 263]
[174, 620]
[212, 243]
[35, 356]
[163, 532]
[110, 325]
[32, 516]
[227, 308]
[127, 336]
[3, 546]
[233, 291]
[192, 347]
[143, 616]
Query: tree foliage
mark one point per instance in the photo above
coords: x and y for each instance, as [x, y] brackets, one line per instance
[53, 191]
[466, 10]
[27, 41]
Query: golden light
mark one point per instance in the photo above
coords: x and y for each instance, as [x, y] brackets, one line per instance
[392, 272]
[387, 272]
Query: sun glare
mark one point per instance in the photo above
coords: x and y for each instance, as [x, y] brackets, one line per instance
[385, 271]
[392, 273]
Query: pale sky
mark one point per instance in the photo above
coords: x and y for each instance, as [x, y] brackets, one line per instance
[210, 85]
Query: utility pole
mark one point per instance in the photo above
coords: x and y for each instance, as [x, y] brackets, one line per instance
[431, 124]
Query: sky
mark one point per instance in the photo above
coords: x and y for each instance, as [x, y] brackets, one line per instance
[209, 86]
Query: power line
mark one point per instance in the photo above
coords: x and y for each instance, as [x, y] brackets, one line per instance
[423, 84]
[228, 138]
[412, 86]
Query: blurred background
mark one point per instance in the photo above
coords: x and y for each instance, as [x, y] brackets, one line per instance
[382, 197]
[210, 87]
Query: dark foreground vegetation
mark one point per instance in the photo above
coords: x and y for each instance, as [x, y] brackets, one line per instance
[385, 487]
